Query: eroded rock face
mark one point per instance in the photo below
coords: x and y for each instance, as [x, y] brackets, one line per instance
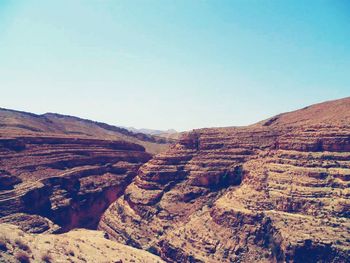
[69, 180]
[275, 191]
[31, 223]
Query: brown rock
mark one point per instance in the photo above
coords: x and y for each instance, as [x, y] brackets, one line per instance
[66, 169]
[274, 191]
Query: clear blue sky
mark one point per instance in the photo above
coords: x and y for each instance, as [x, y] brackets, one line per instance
[173, 64]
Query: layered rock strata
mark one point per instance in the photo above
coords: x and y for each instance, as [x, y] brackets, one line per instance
[275, 191]
[71, 181]
[18, 123]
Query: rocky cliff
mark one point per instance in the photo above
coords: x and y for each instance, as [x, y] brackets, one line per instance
[58, 173]
[275, 191]
[65, 169]
[71, 181]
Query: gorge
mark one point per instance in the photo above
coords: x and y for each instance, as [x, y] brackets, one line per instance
[274, 191]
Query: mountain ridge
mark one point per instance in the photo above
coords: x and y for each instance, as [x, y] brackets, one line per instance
[21, 122]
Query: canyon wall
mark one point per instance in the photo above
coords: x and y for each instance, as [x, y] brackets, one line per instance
[71, 181]
[275, 191]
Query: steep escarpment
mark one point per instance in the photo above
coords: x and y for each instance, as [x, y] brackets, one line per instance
[278, 190]
[58, 173]
[65, 169]
[69, 180]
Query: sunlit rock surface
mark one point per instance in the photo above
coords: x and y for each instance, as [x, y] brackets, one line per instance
[271, 192]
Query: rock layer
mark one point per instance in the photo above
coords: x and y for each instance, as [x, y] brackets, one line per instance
[278, 191]
[71, 181]
[18, 123]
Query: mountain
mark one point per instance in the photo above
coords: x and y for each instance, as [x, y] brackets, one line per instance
[333, 113]
[275, 191]
[170, 135]
[151, 131]
[17, 123]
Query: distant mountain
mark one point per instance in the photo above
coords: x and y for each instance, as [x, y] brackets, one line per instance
[170, 134]
[149, 131]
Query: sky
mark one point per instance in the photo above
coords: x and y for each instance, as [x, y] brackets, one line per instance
[173, 64]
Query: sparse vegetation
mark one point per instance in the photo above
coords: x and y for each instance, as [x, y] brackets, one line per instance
[21, 245]
[338, 242]
[3, 243]
[47, 258]
[22, 257]
[71, 253]
[81, 258]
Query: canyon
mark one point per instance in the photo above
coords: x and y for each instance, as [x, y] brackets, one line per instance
[59, 167]
[274, 191]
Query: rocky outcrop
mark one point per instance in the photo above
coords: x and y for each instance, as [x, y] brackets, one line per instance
[7, 181]
[31, 223]
[69, 180]
[272, 192]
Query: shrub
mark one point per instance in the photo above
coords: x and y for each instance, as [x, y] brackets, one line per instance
[21, 245]
[71, 253]
[22, 257]
[3, 243]
[46, 257]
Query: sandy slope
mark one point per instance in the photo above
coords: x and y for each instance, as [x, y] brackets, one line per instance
[76, 246]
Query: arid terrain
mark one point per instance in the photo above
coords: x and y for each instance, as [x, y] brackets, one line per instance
[275, 191]
[75, 246]
[16, 123]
